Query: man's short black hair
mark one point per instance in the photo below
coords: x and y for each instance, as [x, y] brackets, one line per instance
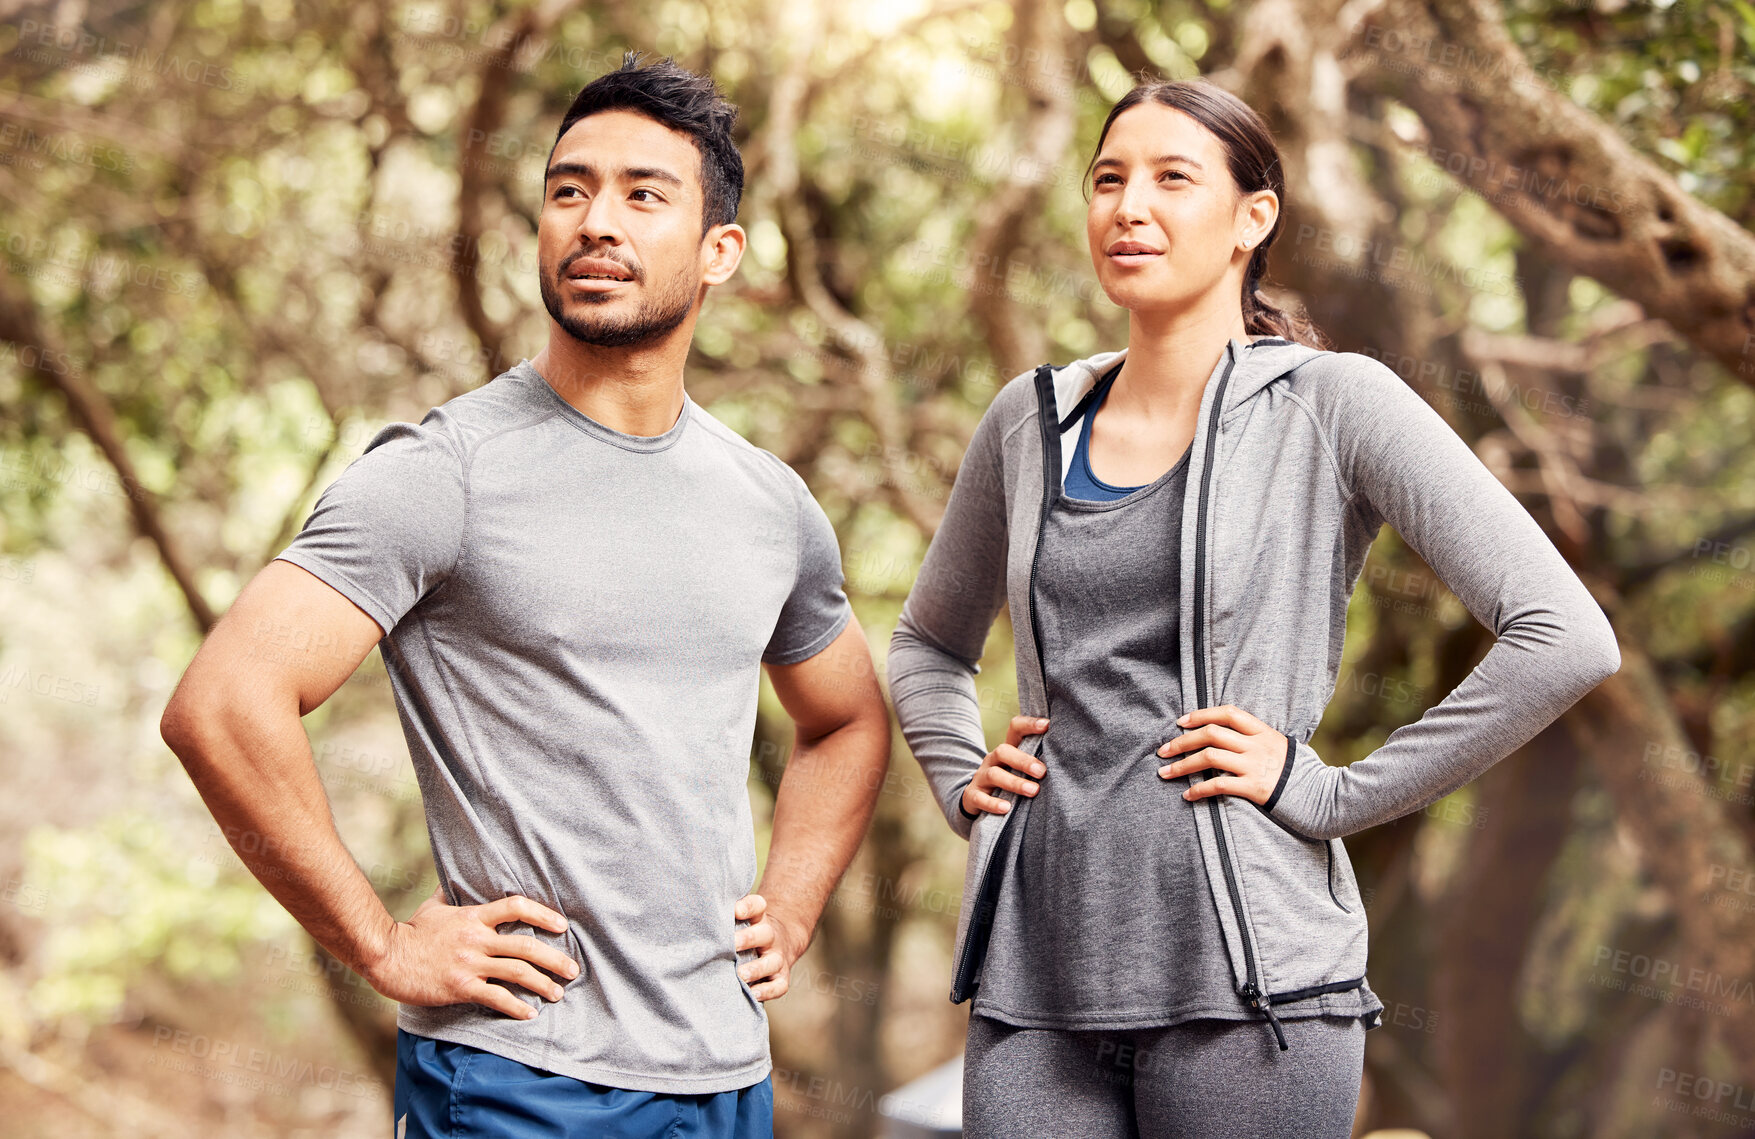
[682, 101]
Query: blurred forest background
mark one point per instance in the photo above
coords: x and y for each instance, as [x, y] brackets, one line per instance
[238, 237]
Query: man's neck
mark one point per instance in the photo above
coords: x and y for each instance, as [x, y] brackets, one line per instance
[636, 390]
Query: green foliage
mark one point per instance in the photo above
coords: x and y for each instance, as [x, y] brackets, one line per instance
[128, 896]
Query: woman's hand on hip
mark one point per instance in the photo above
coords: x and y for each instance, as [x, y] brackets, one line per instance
[1247, 754]
[1005, 769]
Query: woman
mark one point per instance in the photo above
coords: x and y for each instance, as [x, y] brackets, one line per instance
[1161, 930]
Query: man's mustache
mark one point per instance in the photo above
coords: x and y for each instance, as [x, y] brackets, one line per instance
[632, 267]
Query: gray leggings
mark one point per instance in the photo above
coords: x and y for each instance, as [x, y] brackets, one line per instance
[1201, 1079]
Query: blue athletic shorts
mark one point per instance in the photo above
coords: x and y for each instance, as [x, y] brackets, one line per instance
[446, 1090]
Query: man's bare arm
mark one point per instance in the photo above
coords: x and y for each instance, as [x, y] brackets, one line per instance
[284, 647]
[825, 801]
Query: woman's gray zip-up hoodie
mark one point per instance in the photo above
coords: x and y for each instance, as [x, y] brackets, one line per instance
[1299, 456]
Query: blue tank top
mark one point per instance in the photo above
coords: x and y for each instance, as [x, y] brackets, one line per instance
[1081, 482]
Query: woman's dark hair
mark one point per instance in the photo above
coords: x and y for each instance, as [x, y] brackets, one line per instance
[682, 101]
[1254, 162]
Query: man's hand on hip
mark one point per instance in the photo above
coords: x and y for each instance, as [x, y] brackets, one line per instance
[446, 955]
[780, 945]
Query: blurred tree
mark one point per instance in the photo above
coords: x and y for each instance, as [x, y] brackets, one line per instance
[237, 238]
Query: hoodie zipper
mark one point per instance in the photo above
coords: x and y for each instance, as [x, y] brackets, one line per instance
[1251, 992]
[962, 982]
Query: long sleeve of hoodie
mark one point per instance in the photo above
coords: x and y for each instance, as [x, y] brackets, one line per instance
[938, 641]
[1404, 465]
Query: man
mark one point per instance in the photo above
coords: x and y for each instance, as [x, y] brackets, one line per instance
[576, 574]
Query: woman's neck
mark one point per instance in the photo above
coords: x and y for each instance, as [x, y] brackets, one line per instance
[1169, 360]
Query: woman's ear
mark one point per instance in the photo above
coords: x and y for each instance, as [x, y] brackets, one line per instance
[1259, 212]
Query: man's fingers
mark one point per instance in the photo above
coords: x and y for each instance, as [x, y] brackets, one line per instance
[516, 907]
[751, 907]
[761, 968]
[522, 974]
[757, 936]
[527, 948]
[1022, 726]
[769, 989]
[499, 999]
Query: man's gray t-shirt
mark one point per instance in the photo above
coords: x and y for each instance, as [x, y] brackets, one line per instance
[576, 620]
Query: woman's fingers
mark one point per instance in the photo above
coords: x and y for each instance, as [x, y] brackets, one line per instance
[975, 799]
[1227, 714]
[1019, 760]
[1219, 785]
[1022, 726]
[1007, 780]
[1206, 759]
[1212, 735]
[1006, 768]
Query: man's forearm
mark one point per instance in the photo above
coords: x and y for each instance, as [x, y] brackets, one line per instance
[255, 772]
[821, 811]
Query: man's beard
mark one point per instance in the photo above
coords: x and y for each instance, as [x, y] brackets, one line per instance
[656, 316]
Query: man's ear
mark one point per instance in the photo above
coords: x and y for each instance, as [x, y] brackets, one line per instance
[723, 249]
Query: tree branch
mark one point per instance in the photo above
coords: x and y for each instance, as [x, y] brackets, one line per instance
[1565, 179]
[523, 32]
[51, 365]
[1018, 343]
[877, 403]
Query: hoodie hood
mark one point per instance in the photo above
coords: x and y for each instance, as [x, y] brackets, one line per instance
[1257, 364]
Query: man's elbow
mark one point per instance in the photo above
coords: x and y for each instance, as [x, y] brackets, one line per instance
[868, 720]
[177, 726]
[190, 719]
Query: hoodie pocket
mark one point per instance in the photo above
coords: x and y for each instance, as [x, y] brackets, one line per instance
[1331, 879]
[1309, 928]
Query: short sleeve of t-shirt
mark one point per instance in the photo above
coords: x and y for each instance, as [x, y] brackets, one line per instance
[387, 531]
[817, 609]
